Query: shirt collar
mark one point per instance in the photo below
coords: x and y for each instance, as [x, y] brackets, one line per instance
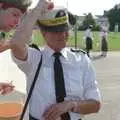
[49, 51]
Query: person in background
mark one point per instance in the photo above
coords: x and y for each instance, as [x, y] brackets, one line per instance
[10, 13]
[88, 40]
[104, 42]
[78, 76]
[116, 28]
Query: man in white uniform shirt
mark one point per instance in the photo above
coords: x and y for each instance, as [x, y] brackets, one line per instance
[82, 94]
[88, 39]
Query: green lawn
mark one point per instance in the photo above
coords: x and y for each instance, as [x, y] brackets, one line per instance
[113, 40]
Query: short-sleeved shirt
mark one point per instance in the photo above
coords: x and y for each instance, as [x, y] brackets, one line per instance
[88, 33]
[79, 77]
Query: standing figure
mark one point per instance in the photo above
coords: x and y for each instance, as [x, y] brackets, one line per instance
[66, 87]
[103, 42]
[88, 39]
[116, 28]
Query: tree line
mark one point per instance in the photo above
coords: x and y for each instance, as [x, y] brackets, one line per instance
[113, 16]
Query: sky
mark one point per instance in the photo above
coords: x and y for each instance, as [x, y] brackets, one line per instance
[80, 7]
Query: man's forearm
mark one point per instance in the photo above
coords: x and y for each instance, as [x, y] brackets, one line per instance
[85, 106]
[22, 35]
[24, 30]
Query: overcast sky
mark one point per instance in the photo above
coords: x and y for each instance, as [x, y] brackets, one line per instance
[79, 7]
[96, 7]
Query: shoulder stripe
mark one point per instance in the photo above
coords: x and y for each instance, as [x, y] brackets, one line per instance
[78, 50]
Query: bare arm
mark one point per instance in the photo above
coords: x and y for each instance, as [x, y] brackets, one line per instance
[83, 107]
[86, 106]
[22, 35]
[24, 31]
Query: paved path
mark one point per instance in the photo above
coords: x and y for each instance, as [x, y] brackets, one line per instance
[108, 76]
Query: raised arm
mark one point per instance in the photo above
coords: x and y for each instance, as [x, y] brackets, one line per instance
[24, 30]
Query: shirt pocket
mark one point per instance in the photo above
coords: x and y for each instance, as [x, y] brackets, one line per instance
[76, 83]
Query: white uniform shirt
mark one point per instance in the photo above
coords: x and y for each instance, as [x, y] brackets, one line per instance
[88, 33]
[79, 77]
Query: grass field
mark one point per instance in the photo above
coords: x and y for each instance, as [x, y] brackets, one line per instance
[113, 40]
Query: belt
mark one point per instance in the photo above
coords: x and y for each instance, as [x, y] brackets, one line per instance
[32, 118]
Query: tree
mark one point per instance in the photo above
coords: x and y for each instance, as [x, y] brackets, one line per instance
[72, 18]
[89, 20]
[113, 17]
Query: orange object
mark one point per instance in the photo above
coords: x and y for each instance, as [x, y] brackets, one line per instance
[10, 110]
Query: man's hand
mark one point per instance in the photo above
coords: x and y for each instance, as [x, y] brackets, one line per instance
[42, 4]
[55, 110]
[4, 45]
[6, 88]
[42, 7]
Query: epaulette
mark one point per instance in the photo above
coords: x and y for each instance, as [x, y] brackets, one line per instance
[34, 46]
[78, 50]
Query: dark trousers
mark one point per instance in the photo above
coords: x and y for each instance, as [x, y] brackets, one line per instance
[88, 45]
[104, 45]
[32, 118]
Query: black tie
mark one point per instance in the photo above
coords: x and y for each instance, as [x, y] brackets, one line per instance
[59, 83]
